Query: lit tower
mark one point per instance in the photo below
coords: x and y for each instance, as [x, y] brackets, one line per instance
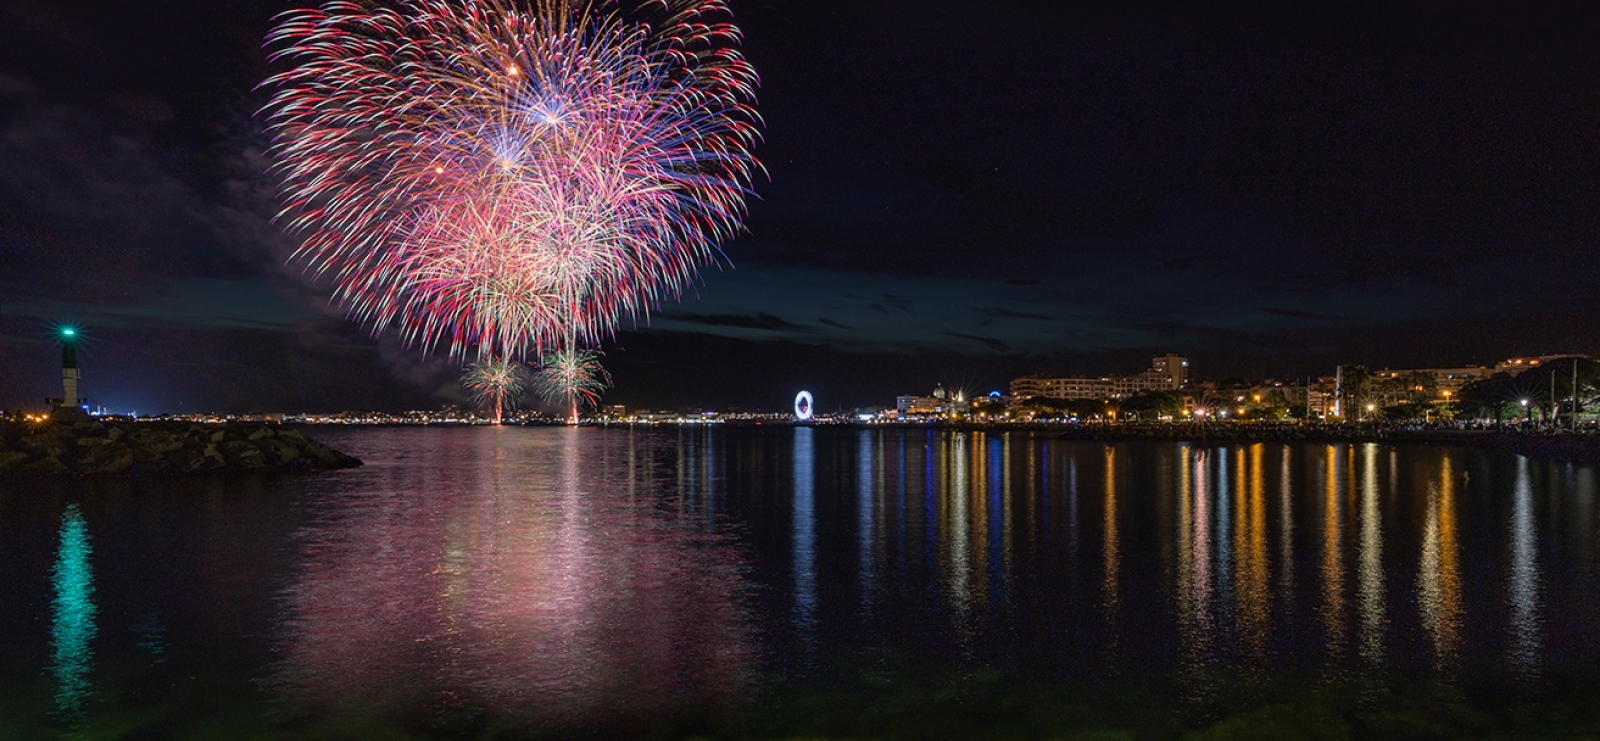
[69, 368]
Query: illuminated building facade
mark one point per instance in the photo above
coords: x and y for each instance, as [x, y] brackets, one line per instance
[1449, 380]
[918, 404]
[1166, 373]
[1518, 365]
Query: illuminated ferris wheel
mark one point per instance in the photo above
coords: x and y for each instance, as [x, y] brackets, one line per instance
[803, 406]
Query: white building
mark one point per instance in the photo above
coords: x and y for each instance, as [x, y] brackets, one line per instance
[1166, 373]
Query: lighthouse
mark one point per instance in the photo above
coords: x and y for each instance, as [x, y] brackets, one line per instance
[67, 407]
[69, 367]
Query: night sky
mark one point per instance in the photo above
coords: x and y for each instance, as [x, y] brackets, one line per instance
[957, 194]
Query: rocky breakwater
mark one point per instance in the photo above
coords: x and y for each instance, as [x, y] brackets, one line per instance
[97, 448]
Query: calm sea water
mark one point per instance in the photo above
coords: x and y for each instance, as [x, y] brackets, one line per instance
[777, 583]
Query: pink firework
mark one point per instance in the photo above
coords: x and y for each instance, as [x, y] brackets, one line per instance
[499, 382]
[504, 178]
[572, 375]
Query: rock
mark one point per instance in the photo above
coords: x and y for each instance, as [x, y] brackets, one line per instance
[145, 448]
[209, 463]
[12, 458]
[48, 465]
[116, 460]
[46, 444]
[242, 452]
[284, 450]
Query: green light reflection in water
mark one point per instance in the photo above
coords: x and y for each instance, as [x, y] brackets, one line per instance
[72, 627]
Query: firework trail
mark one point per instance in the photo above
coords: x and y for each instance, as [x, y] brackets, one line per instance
[498, 381]
[573, 375]
[507, 178]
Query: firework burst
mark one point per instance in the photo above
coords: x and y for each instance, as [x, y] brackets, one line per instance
[505, 178]
[574, 376]
[500, 382]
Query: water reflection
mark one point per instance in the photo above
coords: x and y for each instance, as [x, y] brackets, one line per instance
[563, 581]
[573, 573]
[1113, 553]
[1194, 538]
[1333, 617]
[868, 484]
[1372, 597]
[1255, 593]
[1523, 589]
[72, 624]
[805, 531]
[958, 525]
[1439, 571]
[1286, 595]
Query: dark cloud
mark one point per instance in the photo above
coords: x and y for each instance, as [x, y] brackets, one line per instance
[1298, 314]
[1188, 333]
[996, 313]
[897, 302]
[989, 342]
[740, 321]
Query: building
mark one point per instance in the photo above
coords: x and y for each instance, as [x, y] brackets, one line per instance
[918, 405]
[1518, 365]
[1166, 373]
[1173, 368]
[1449, 380]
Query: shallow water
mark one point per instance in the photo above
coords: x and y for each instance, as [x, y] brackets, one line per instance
[773, 583]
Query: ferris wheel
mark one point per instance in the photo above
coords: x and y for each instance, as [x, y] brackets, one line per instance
[803, 406]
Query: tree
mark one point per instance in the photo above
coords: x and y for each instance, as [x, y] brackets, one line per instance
[1407, 411]
[1088, 408]
[989, 409]
[1489, 396]
[1355, 389]
[1041, 406]
[1149, 405]
[1550, 387]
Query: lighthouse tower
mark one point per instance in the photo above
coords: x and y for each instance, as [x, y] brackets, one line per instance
[67, 406]
[69, 368]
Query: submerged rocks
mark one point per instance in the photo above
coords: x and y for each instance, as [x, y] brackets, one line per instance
[95, 448]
